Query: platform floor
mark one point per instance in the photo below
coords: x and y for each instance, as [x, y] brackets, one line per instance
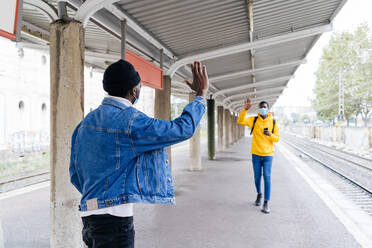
[215, 208]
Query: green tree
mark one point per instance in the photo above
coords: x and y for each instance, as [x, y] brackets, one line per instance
[344, 59]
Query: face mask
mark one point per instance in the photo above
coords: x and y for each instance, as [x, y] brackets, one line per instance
[136, 98]
[135, 101]
[262, 111]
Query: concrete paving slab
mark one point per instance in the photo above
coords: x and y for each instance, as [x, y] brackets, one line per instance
[215, 208]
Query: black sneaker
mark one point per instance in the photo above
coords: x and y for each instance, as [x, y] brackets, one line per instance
[265, 208]
[258, 200]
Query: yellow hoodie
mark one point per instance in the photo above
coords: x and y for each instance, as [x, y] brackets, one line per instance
[262, 145]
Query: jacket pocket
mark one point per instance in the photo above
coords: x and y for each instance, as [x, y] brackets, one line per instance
[151, 171]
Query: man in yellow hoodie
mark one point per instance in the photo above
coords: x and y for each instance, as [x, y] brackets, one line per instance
[265, 132]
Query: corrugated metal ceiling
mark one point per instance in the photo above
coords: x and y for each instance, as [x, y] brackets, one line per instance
[192, 26]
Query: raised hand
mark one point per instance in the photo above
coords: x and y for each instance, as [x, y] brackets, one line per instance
[200, 81]
[247, 104]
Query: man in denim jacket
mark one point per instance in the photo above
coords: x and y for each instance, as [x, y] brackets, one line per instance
[119, 157]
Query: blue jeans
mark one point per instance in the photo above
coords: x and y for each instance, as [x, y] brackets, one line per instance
[262, 163]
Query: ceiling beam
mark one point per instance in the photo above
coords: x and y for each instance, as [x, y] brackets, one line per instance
[244, 95]
[89, 8]
[35, 31]
[49, 10]
[254, 103]
[92, 6]
[251, 110]
[254, 100]
[248, 86]
[181, 85]
[114, 9]
[239, 74]
[106, 24]
[249, 4]
[240, 105]
[215, 53]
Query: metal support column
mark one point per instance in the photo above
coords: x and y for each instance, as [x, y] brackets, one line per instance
[227, 128]
[232, 127]
[220, 140]
[211, 130]
[123, 38]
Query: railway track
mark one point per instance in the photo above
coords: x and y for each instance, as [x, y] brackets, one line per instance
[22, 181]
[345, 172]
[346, 153]
[354, 159]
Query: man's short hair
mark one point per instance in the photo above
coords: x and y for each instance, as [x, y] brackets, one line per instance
[264, 102]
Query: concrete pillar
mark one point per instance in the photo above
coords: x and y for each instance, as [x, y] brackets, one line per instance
[195, 158]
[220, 128]
[162, 108]
[232, 126]
[240, 131]
[211, 130]
[227, 128]
[236, 128]
[237, 131]
[67, 110]
[239, 128]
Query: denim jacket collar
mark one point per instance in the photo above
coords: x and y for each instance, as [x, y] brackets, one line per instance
[114, 102]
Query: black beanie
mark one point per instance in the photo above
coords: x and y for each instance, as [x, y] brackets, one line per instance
[119, 77]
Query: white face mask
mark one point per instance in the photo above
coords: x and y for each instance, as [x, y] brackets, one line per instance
[262, 111]
[137, 98]
[135, 101]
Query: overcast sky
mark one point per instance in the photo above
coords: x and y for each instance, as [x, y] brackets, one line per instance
[300, 89]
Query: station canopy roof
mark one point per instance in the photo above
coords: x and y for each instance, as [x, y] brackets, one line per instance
[251, 48]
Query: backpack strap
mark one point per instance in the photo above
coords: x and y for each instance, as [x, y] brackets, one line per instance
[254, 122]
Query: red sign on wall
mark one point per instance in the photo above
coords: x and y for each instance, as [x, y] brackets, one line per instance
[150, 74]
[9, 12]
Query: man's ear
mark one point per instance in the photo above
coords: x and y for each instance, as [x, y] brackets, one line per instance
[133, 91]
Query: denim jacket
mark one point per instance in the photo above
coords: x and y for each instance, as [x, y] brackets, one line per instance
[118, 154]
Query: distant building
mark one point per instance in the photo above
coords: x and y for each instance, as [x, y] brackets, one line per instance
[25, 101]
[294, 113]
